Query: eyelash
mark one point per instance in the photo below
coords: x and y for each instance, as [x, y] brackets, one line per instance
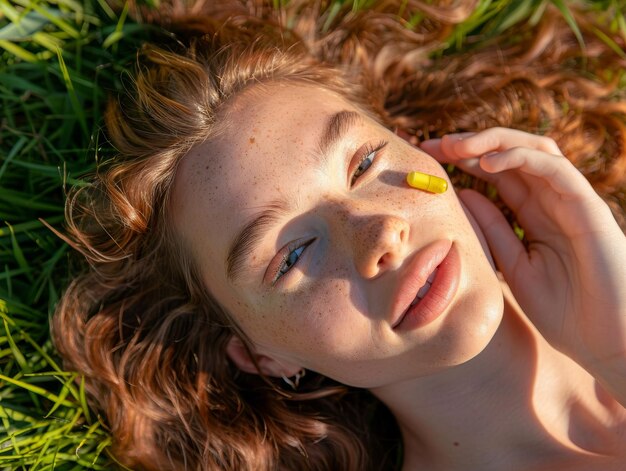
[291, 248]
[368, 150]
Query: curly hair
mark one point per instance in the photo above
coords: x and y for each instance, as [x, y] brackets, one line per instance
[139, 324]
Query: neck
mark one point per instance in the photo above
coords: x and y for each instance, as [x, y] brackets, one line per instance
[519, 403]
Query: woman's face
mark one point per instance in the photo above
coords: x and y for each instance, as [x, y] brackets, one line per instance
[305, 230]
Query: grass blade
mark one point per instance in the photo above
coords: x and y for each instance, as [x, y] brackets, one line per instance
[72, 93]
[35, 389]
[571, 21]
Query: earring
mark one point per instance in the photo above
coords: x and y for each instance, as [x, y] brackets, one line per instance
[296, 379]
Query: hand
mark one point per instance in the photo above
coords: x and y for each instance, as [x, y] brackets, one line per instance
[571, 280]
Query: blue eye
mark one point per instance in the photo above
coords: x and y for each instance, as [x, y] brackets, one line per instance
[363, 166]
[366, 162]
[289, 259]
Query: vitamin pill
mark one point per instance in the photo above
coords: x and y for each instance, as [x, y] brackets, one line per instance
[424, 181]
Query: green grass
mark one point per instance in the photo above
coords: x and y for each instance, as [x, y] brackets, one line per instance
[59, 60]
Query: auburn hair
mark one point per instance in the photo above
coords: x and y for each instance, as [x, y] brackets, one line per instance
[138, 322]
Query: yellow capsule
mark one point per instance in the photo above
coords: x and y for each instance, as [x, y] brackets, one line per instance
[424, 181]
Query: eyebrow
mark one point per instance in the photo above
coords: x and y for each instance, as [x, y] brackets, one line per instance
[336, 127]
[250, 235]
[253, 232]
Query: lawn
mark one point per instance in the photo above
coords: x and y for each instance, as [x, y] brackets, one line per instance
[59, 62]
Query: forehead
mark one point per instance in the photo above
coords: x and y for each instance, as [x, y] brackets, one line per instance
[268, 151]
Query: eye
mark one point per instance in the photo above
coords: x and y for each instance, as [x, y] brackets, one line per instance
[366, 160]
[289, 258]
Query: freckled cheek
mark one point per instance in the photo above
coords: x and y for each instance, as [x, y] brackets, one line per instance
[332, 318]
[311, 322]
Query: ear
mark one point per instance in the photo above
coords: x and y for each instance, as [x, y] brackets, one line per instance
[243, 359]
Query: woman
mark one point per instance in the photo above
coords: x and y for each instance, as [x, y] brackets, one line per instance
[257, 226]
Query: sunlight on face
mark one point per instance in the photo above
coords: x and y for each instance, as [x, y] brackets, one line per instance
[304, 228]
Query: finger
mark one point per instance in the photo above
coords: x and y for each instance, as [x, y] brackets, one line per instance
[555, 170]
[472, 167]
[567, 199]
[410, 138]
[451, 147]
[433, 148]
[441, 150]
[508, 251]
[500, 139]
[512, 189]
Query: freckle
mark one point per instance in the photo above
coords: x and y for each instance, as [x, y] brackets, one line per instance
[456, 443]
[252, 140]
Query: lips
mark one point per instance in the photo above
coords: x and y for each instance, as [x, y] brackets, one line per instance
[427, 286]
[424, 289]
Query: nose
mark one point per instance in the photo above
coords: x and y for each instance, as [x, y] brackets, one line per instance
[377, 239]
[379, 242]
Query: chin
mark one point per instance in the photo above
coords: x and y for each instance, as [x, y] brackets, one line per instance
[473, 322]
